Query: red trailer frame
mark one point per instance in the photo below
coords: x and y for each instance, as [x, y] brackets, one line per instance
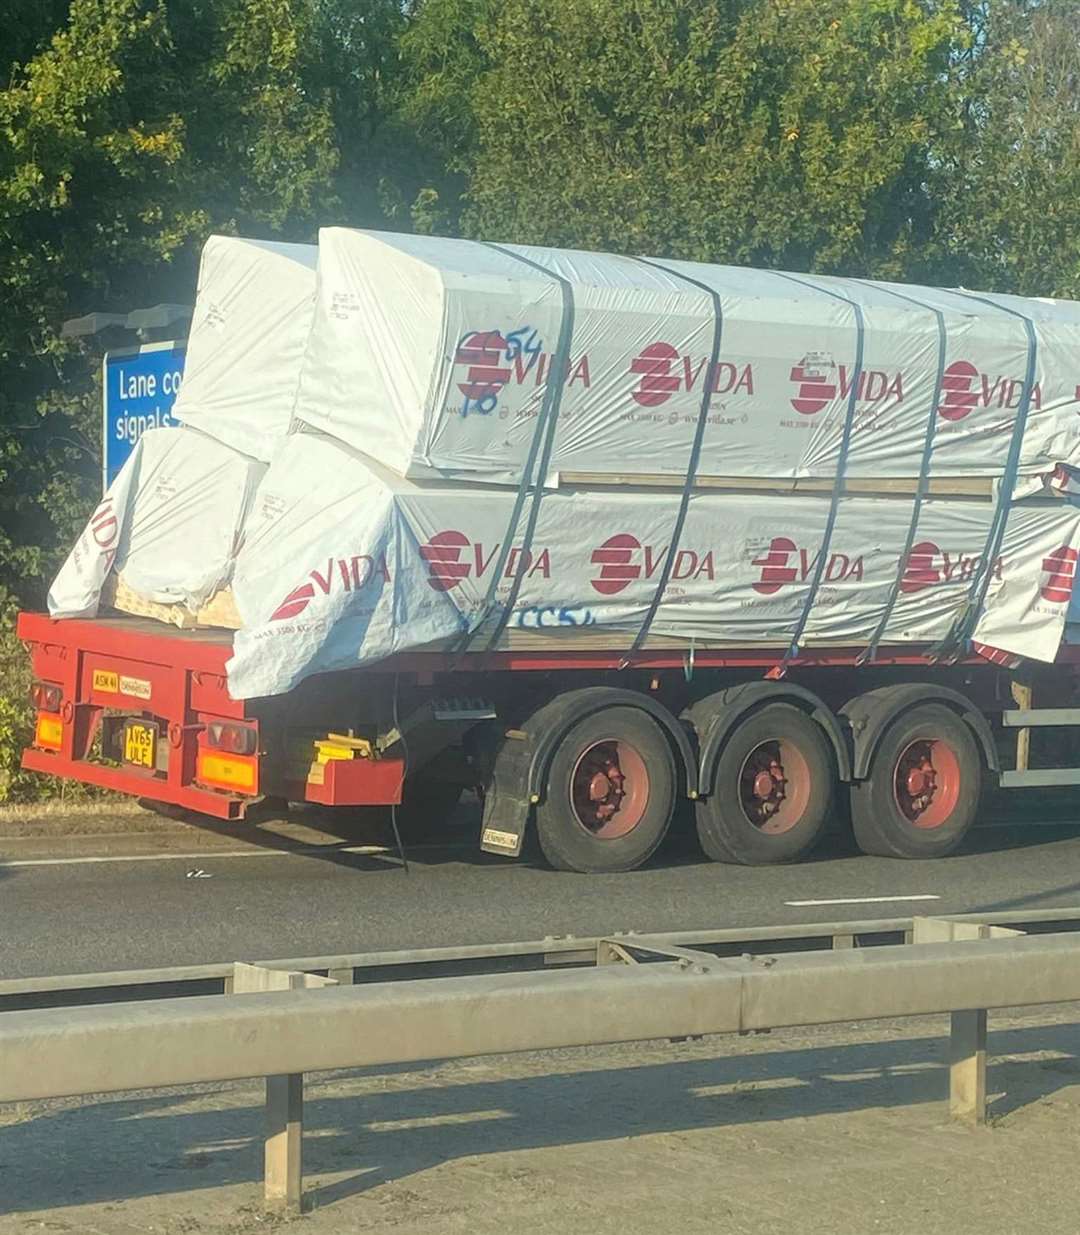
[127, 667]
[96, 675]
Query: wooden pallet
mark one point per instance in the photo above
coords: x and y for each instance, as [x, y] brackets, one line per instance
[219, 612]
[970, 487]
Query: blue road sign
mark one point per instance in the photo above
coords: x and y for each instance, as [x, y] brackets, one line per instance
[139, 386]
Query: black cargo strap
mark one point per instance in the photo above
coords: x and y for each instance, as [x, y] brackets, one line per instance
[841, 465]
[964, 624]
[692, 462]
[541, 445]
[922, 482]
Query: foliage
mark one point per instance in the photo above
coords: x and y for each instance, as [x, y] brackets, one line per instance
[933, 139]
[1008, 183]
[129, 130]
[137, 128]
[778, 132]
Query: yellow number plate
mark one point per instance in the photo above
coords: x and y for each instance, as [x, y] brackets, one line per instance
[140, 744]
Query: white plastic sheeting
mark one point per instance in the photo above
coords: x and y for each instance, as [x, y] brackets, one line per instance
[452, 356]
[170, 525]
[344, 564]
[250, 326]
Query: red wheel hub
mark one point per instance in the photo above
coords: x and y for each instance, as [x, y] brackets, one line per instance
[609, 788]
[926, 783]
[774, 786]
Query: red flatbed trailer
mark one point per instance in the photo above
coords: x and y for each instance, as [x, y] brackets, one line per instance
[590, 751]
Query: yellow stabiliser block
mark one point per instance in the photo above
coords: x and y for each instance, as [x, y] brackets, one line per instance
[335, 746]
[325, 751]
[49, 731]
[227, 771]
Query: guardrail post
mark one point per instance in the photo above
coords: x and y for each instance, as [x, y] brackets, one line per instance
[283, 1152]
[283, 1159]
[967, 1067]
[283, 1156]
[967, 1033]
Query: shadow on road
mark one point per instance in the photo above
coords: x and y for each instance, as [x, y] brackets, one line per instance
[359, 838]
[344, 831]
[380, 1129]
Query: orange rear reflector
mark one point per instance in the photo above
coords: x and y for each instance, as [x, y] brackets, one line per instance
[227, 771]
[49, 731]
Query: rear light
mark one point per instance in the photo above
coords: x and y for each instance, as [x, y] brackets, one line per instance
[48, 732]
[236, 739]
[236, 772]
[47, 697]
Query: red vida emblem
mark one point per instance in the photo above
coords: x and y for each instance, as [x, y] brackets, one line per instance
[785, 562]
[1059, 574]
[343, 574]
[622, 559]
[663, 371]
[964, 388]
[484, 352]
[451, 557]
[928, 565]
[618, 567]
[818, 388]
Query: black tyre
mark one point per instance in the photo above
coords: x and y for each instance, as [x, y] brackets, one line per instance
[610, 793]
[923, 789]
[772, 790]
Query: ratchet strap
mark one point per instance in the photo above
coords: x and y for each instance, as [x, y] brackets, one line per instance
[922, 482]
[841, 467]
[536, 464]
[964, 624]
[693, 461]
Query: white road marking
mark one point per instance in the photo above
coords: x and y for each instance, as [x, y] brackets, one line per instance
[863, 900]
[1028, 823]
[305, 850]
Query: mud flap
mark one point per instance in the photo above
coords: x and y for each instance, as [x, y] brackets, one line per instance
[507, 804]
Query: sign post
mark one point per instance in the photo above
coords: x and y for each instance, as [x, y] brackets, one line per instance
[139, 385]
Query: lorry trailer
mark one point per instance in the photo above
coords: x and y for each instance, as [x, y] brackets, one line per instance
[598, 537]
[591, 752]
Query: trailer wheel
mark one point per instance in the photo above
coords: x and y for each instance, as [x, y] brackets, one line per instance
[771, 792]
[922, 791]
[610, 793]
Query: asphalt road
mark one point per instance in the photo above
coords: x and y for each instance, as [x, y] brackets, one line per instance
[82, 905]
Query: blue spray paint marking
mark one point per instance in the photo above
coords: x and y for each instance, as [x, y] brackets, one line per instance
[524, 341]
[531, 347]
[483, 407]
[551, 615]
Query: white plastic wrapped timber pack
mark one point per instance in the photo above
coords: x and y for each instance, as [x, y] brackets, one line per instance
[344, 564]
[168, 529]
[252, 317]
[457, 358]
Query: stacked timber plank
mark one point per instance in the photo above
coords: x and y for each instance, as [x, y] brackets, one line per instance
[447, 445]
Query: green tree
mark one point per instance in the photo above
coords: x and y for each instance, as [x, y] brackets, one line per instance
[1007, 180]
[129, 130]
[133, 129]
[775, 132]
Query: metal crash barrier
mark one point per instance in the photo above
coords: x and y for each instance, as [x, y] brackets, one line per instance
[281, 1023]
